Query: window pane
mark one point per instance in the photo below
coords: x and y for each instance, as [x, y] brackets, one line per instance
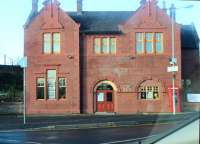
[51, 84]
[47, 43]
[159, 42]
[97, 45]
[105, 45]
[139, 43]
[40, 88]
[149, 42]
[109, 97]
[62, 88]
[56, 42]
[113, 42]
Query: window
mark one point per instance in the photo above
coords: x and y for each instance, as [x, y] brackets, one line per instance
[51, 43]
[51, 84]
[149, 92]
[40, 88]
[139, 43]
[47, 43]
[149, 43]
[62, 88]
[56, 43]
[105, 45]
[97, 45]
[109, 96]
[159, 42]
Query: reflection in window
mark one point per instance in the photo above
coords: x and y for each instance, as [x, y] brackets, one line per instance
[105, 45]
[113, 43]
[139, 43]
[51, 84]
[149, 42]
[159, 39]
[40, 88]
[51, 43]
[149, 92]
[97, 45]
[62, 88]
[47, 43]
[56, 42]
[109, 96]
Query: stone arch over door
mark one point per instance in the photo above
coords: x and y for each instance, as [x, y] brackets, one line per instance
[104, 96]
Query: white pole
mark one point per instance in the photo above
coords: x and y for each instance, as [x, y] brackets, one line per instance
[173, 57]
[24, 93]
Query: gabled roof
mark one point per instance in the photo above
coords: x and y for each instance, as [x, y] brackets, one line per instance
[107, 22]
[100, 21]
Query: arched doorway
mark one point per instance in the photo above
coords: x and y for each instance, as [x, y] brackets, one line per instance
[104, 93]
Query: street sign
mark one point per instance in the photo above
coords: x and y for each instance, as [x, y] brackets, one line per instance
[172, 69]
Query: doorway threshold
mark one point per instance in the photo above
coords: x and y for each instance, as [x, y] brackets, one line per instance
[105, 113]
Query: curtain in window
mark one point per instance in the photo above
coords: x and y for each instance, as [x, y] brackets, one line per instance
[139, 43]
[56, 42]
[159, 41]
[40, 88]
[51, 84]
[149, 42]
[97, 45]
[113, 42]
[47, 43]
[105, 45]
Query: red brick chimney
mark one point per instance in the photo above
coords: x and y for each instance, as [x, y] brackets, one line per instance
[79, 6]
[34, 6]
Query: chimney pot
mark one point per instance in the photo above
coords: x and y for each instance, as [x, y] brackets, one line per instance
[79, 6]
[173, 12]
[34, 6]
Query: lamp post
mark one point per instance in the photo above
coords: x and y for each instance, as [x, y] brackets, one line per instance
[173, 60]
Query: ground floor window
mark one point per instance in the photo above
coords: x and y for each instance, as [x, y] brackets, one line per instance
[40, 88]
[149, 92]
[51, 84]
[55, 87]
[62, 88]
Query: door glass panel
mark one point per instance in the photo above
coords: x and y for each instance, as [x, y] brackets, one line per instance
[109, 97]
[100, 97]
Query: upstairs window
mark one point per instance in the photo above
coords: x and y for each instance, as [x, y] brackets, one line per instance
[149, 43]
[105, 45]
[159, 43]
[51, 43]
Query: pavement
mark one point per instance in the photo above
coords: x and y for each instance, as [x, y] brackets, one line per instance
[84, 121]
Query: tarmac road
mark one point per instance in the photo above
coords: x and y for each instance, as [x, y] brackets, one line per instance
[85, 136]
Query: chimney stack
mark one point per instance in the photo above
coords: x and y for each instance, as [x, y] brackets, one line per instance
[173, 12]
[79, 6]
[34, 6]
[164, 6]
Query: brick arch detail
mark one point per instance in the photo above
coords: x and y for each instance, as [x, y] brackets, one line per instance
[154, 81]
[98, 80]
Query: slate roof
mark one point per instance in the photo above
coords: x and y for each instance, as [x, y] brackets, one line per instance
[103, 22]
[100, 21]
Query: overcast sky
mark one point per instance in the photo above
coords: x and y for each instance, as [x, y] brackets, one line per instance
[13, 14]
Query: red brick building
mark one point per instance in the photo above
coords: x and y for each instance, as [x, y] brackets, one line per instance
[90, 62]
